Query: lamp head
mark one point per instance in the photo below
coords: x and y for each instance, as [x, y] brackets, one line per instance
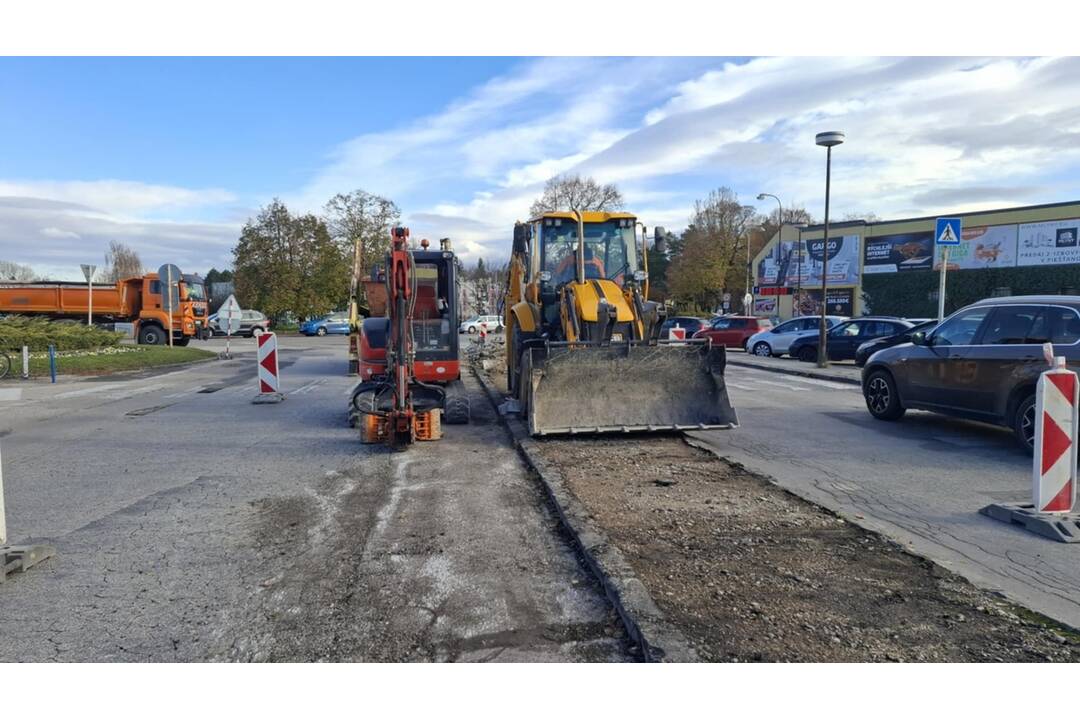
[830, 138]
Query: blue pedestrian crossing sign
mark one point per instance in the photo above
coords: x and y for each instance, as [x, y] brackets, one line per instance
[947, 231]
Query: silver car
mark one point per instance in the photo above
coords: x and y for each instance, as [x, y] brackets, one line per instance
[777, 340]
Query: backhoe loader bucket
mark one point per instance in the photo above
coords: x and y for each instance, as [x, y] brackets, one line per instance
[581, 388]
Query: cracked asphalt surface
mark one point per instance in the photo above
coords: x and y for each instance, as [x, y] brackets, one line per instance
[192, 525]
[920, 481]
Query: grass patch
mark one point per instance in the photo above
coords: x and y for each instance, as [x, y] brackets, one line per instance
[38, 333]
[113, 360]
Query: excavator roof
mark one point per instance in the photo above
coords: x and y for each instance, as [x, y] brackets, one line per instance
[588, 216]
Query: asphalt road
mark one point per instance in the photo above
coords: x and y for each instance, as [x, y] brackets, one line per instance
[191, 524]
[920, 481]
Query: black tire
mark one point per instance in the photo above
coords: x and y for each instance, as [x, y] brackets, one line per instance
[257, 331]
[182, 342]
[152, 335]
[808, 353]
[471, 330]
[762, 349]
[881, 397]
[321, 332]
[1023, 424]
[5, 364]
[457, 410]
[524, 389]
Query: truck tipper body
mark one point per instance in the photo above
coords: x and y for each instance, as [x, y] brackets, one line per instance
[136, 300]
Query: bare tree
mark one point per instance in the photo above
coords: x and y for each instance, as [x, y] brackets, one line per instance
[121, 262]
[573, 192]
[360, 222]
[13, 271]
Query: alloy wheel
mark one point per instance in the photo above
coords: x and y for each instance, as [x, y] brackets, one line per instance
[877, 394]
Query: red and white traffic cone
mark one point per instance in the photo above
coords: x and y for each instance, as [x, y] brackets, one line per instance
[1057, 397]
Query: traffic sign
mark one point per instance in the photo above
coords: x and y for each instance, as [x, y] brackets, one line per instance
[169, 277]
[229, 316]
[947, 231]
[88, 271]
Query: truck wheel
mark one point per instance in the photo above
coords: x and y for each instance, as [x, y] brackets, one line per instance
[182, 342]
[152, 335]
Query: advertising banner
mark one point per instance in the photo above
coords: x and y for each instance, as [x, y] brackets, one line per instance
[781, 266]
[1048, 243]
[841, 302]
[765, 307]
[899, 253]
[982, 247]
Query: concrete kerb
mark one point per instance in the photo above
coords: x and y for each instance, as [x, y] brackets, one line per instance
[658, 640]
[817, 375]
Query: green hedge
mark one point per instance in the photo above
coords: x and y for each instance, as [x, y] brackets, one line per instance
[39, 333]
[908, 294]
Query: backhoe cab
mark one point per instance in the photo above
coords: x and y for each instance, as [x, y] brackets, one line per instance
[583, 347]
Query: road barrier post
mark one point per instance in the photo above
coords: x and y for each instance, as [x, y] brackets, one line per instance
[1053, 472]
[16, 558]
[268, 377]
[52, 362]
[25, 362]
[1054, 468]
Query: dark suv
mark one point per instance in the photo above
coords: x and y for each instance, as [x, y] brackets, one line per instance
[981, 363]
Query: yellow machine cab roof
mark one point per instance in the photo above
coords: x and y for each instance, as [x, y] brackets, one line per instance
[589, 216]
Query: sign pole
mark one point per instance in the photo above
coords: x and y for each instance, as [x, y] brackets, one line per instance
[3, 517]
[941, 283]
[169, 291]
[90, 300]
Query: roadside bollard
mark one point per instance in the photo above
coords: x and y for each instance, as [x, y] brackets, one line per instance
[16, 558]
[25, 362]
[52, 362]
[269, 380]
[1053, 472]
[1053, 484]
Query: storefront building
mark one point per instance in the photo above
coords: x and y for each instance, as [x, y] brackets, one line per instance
[888, 267]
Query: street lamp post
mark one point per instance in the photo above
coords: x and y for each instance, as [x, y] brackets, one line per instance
[827, 140]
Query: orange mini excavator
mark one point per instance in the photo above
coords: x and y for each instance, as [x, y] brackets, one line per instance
[410, 374]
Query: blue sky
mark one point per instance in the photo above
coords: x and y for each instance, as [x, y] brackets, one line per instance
[172, 155]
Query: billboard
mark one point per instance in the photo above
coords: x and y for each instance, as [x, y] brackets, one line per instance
[781, 266]
[1048, 243]
[841, 302]
[899, 253]
[982, 247]
[766, 306]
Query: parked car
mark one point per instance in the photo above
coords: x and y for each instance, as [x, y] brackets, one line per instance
[845, 338]
[868, 348]
[687, 322]
[332, 324]
[732, 330]
[981, 363]
[776, 340]
[472, 325]
[252, 323]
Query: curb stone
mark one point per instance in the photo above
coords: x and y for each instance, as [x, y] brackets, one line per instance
[791, 371]
[657, 639]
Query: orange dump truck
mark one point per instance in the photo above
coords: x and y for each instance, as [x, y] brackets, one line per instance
[136, 300]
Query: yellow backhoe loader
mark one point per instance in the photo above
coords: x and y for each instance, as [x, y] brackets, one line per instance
[583, 347]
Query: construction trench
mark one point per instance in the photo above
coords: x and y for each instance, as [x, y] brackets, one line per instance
[736, 569]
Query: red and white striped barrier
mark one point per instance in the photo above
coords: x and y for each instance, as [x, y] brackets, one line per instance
[269, 379]
[677, 333]
[1057, 397]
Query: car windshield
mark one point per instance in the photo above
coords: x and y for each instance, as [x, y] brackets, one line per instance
[610, 250]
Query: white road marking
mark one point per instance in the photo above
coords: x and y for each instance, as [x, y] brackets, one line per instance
[786, 386]
[10, 394]
[823, 383]
[85, 391]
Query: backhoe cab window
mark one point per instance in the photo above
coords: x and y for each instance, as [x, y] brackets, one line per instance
[610, 252]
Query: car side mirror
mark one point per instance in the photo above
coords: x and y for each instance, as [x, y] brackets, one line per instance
[919, 338]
